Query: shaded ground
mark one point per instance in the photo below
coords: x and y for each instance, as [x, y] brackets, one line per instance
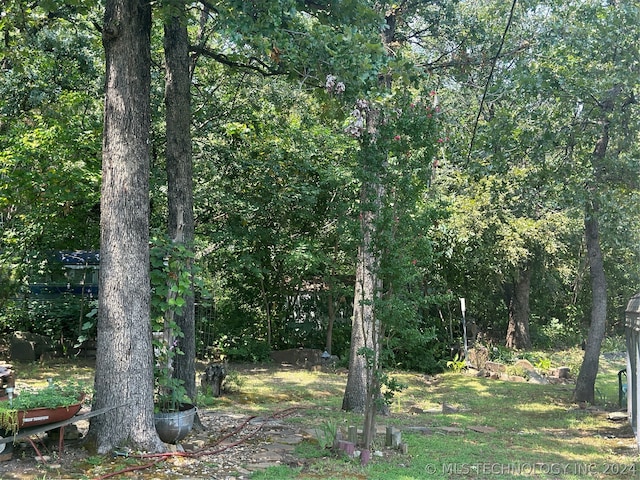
[447, 418]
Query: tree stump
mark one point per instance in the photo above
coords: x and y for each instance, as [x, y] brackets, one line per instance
[212, 378]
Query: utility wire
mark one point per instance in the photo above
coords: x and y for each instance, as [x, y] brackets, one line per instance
[486, 85]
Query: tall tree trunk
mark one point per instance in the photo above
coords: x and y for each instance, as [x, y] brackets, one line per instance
[367, 290]
[585, 383]
[124, 363]
[362, 393]
[518, 307]
[180, 179]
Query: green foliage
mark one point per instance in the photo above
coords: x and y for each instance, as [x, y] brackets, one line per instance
[556, 334]
[517, 370]
[614, 344]
[52, 396]
[50, 141]
[242, 349]
[457, 365]
[89, 327]
[233, 382]
[326, 434]
[277, 181]
[502, 354]
[543, 364]
[60, 318]
[173, 278]
[389, 386]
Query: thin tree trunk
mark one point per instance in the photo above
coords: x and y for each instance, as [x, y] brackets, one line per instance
[332, 319]
[180, 180]
[124, 363]
[518, 336]
[331, 310]
[585, 383]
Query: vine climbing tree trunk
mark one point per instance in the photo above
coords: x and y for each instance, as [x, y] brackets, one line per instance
[362, 393]
[180, 180]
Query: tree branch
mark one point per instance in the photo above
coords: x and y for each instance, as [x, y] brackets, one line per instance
[253, 63]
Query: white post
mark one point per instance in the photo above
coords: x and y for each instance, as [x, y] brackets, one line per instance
[463, 307]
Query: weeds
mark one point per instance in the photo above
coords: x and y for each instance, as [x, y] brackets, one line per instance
[327, 434]
[457, 364]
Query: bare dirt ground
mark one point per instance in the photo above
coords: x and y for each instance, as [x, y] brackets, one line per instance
[230, 446]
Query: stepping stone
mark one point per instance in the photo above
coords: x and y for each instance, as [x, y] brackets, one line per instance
[423, 430]
[450, 429]
[535, 377]
[446, 408]
[483, 429]
[290, 439]
[617, 416]
[268, 456]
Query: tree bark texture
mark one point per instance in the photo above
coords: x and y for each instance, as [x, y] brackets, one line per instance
[124, 363]
[585, 383]
[517, 300]
[363, 387]
[180, 225]
[363, 327]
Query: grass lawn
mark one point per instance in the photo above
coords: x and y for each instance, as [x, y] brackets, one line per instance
[497, 429]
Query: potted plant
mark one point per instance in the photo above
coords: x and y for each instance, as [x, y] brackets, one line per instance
[171, 282]
[40, 406]
[174, 412]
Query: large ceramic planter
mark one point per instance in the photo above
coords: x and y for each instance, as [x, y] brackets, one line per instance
[174, 426]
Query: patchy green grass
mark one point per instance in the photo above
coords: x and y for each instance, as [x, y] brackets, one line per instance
[496, 429]
[525, 430]
[36, 374]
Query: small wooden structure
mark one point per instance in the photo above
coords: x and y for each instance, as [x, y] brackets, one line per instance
[632, 324]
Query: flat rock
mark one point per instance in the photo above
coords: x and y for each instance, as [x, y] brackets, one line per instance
[292, 439]
[617, 416]
[447, 408]
[268, 456]
[423, 430]
[450, 429]
[495, 367]
[482, 429]
[525, 364]
[535, 377]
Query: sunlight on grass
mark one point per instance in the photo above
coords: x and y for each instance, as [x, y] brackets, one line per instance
[492, 423]
[540, 409]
